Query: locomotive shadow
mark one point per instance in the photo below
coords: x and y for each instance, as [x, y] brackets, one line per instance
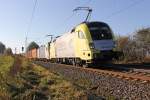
[121, 67]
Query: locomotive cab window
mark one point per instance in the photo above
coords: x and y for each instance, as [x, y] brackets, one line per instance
[81, 35]
[100, 31]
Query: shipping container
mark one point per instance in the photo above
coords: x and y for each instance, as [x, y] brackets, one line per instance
[42, 52]
[32, 53]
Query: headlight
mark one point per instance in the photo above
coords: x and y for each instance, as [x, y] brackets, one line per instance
[115, 44]
[92, 46]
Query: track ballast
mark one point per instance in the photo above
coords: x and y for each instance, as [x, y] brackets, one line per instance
[132, 84]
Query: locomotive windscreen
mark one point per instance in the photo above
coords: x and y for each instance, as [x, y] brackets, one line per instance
[99, 31]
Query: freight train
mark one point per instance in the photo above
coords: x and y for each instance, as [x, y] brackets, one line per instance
[87, 43]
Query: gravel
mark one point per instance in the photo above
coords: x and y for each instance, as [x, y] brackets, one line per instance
[103, 85]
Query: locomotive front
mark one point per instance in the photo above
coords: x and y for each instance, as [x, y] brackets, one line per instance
[102, 42]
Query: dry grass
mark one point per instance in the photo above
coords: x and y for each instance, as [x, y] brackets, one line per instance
[59, 88]
[34, 82]
[6, 62]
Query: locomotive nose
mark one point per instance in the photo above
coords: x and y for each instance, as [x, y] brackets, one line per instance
[104, 45]
[91, 45]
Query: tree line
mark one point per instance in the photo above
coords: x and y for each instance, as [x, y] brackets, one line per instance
[4, 50]
[135, 47]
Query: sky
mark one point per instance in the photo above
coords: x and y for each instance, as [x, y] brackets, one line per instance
[57, 17]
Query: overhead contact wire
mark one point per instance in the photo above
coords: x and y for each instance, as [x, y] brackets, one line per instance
[30, 22]
[126, 8]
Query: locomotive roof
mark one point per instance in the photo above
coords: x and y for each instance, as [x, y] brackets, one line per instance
[93, 22]
[87, 23]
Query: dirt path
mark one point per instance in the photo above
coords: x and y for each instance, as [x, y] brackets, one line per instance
[16, 66]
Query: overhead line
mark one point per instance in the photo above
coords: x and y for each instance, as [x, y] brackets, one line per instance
[65, 21]
[32, 17]
[126, 8]
[30, 23]
[88, 2]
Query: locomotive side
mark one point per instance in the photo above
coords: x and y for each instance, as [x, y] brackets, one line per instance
[87, 43]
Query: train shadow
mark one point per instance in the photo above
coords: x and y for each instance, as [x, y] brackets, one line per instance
[121, 67]
[115, 67]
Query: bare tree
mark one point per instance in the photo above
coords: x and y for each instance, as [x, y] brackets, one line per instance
[136, 48]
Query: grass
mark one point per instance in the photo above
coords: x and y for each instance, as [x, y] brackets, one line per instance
[5, 63]
[58, 86]
[83, 82]
[33, 82]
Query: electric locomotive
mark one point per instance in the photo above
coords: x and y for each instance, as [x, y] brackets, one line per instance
[87, 43]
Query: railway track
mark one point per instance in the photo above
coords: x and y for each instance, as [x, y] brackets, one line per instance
[126, 83]
[133, 75]
[133, 72]
[124, 71]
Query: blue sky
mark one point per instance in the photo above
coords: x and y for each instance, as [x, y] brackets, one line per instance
[56, 17]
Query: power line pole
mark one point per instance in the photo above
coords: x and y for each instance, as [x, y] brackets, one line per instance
[15, 50]
[30, 23]
[26, 43]
[49, 46]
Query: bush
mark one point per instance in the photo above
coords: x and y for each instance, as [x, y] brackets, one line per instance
[8, 51]
[137, 47]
